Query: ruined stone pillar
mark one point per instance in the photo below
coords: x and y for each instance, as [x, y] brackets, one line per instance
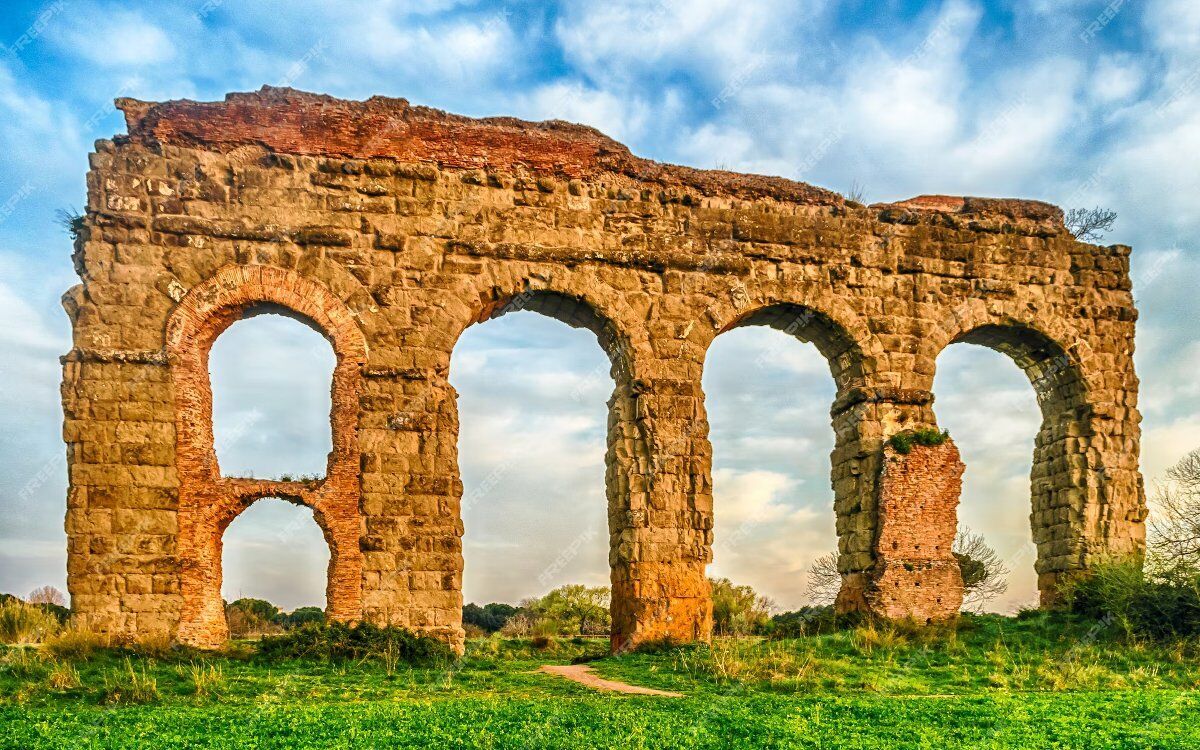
[122, 572]
[1087, 493]
[863, 419]
[660, 513]
[412, 543]
[915, 574]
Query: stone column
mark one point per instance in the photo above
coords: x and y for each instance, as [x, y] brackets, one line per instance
[412, 544]
[660, 512]
[863, 419]
[1088, 496]
[122, 572]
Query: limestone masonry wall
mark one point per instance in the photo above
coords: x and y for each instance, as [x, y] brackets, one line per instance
[393, 228]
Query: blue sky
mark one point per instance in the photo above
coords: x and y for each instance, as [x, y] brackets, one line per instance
[1079, 103]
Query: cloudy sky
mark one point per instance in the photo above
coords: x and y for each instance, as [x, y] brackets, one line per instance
[1077, 102]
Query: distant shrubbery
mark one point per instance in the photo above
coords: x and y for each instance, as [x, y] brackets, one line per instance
[738, 610]
[808, 620]
[254, 617]
[1155, 601]
[573, 609]
[1159, 597]
[338, 641]
[488, 618]
[570, 610]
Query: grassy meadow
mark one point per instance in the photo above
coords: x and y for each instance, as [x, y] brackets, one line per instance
[1040, 681]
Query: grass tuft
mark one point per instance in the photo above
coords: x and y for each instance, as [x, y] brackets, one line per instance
[73, 644]
[128, 685]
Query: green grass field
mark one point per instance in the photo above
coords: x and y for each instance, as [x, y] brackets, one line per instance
[1041, 682]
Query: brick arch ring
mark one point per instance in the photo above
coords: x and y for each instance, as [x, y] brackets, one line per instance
[208, 502]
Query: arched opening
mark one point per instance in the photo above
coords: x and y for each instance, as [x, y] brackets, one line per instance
[533, 438]
[768, 397]
[1024, 478]
[208, 501]
[271, 374]
[273, 551]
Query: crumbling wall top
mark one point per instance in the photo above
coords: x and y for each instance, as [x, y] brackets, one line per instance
[285, 120]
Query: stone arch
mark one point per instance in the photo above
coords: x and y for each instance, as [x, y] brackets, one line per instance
[812, 316]
[626, 459]
[837, 341]
[208, 502]
[575, 309]
[1068, 473]
[340, 546]
[856, 414]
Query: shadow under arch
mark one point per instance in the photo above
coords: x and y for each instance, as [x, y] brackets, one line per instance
[627, 453]
[574, 310]
[844, 342]
[842, 351]
[208, 502]
[1065, 476]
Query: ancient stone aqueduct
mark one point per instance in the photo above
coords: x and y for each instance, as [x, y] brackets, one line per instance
[393, 228]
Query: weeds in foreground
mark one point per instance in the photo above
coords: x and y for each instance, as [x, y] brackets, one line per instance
[23, 664]
[205, 678]
[747, 660]
[73, 644]
[130, 685]
[22, 623]
[64, 676]
[869, 638]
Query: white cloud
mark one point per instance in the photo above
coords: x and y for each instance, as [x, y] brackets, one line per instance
[275, 550]
[1174, 26]
[1116, 78]
[618, 117]
[723, 40]
[271, 381]
[763, 537]
[463, 50]
[113, 39]
[1164, 445]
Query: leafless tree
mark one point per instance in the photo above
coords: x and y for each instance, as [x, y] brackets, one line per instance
[1175, 525]
[1089, 224]
[985, 576]
[824, 580]
[47, 595]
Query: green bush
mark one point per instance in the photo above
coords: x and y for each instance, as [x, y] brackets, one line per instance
[338, 641]
[903, 442]
[807, 620]
[738, 609]
[26, 623]
[301, 616]
[1156, 600]
[490, 617]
